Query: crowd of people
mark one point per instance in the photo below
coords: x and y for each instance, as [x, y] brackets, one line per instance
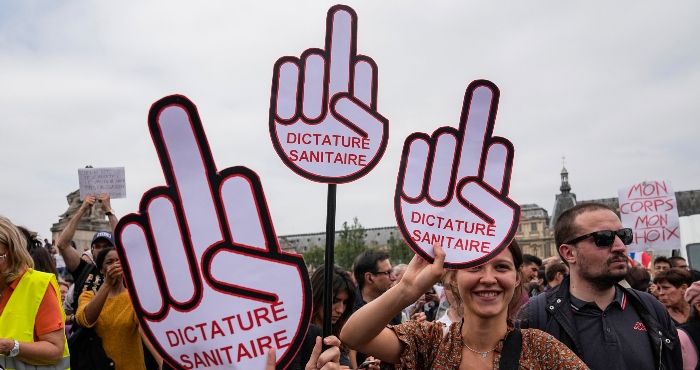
[588, 307]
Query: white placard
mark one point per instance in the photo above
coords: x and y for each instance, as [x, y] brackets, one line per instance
[95, 181]
[650, 209]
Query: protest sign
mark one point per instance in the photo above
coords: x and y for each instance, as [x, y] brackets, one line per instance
[324, 122]
[453, 186]
[323, 118]
[650, 209]
[202, 263]
[95, 181]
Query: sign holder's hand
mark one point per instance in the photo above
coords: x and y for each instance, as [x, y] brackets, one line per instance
[202, 261]
[453, 186]
[324, 122]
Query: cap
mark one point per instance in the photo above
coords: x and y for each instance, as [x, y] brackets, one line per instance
[104, 235]
[692, 294]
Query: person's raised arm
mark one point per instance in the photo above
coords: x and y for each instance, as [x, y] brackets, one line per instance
[366, 329]
[107, 207]
[70, 255]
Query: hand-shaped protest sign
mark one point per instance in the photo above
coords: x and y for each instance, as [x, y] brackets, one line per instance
[324, 122]
[202, 263]
[452, 187]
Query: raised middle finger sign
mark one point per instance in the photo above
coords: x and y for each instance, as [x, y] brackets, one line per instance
[323, 118]
[209, 283]
[453, 186]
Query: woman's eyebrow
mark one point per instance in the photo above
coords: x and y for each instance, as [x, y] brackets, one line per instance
[504, 260]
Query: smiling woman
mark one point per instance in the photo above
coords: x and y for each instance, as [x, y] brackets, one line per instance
[483, 339]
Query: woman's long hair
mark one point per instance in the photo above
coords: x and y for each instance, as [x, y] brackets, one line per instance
[43, 260]
[18, 259]
[341, 282]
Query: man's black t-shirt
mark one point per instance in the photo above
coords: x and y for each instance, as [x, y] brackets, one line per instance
[86, 277]
[614, 338]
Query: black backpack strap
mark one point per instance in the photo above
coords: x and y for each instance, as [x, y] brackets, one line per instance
[657, 311]
[79, 283]
[538, 314]
[542, 313]
[510, 355]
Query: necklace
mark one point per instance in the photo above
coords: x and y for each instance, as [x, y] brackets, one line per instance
[483, 354]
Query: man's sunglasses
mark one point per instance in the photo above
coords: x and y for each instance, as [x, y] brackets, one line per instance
[606, 238]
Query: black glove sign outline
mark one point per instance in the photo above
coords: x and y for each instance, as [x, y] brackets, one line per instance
[206, 194]
[479, 174]
[347, 90]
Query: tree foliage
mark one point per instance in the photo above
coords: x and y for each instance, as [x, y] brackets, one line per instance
[350, 244]
[314, 258]
[399, 251]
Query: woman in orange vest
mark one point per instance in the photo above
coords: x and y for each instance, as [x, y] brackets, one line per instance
[31, 317]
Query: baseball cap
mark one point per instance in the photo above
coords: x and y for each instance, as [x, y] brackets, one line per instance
[104, 235]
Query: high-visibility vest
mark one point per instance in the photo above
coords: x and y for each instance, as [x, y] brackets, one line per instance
[17, 319]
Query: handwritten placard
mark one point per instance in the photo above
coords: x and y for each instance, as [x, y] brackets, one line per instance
[95, 181]
[650, 209]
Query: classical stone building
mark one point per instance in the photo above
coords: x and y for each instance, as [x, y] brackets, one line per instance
[534, 234]
[93, 221]
[301, 243]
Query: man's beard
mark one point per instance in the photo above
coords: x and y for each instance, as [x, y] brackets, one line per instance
[605, 279]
